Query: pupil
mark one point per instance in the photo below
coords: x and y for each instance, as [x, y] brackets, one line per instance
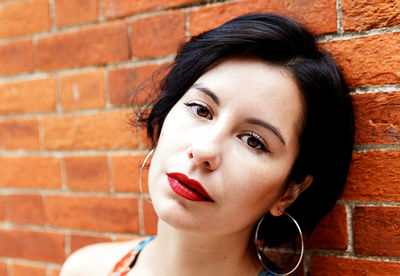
[252, 142]
[202, 111]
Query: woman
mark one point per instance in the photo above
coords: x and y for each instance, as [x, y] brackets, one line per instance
[252, 122]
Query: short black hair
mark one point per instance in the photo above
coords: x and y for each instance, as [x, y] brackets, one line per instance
[327, 132]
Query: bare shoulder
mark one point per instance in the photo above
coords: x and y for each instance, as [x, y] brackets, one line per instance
[97, 259]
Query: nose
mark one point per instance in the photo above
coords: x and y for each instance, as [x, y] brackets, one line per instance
[205, 152]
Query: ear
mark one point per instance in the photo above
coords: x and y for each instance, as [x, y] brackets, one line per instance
[291, 194]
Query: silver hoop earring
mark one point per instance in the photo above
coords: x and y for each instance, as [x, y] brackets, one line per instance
[260, 251]
[141, 172]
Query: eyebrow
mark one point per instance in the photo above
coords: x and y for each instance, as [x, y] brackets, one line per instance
[207, 91]
[267, 126]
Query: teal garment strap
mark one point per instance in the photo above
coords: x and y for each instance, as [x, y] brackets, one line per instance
[143, 243]
[265, 272]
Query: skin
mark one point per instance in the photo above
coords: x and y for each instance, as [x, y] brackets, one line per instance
[236, 132]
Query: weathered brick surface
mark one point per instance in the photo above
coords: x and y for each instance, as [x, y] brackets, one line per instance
[377, 118]
[82, 91]
[126, 170]
[79, 241]
[167, 28]
[32, 245]
[68, 12]
[24, 17]
[16, 57]
[118, 8]
[31, 270]
[55, 272]
[319, 16]
[372, 60]
[376, 231]
[90, 46]
[359, 15]
[137, 83]
[2, 208]
[87, 173]
[93, 213]
[331, 232]
[30, 172]
[3, 268]
[150, 218]
[333, 266]
[25, 208]
[21, 134]
[99, 131]
[28, 96]
[374, 175]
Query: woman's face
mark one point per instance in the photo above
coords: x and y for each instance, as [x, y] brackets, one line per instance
[235, 132]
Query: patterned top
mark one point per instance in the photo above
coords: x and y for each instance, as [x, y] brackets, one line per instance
[128, 261]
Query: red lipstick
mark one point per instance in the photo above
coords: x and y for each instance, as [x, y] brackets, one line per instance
[187, 188]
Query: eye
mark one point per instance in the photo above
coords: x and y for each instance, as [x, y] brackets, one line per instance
[254, 141]
[200, 110]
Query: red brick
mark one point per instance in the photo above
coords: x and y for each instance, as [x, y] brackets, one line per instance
[31, 270]
[150, 218]
[16, 57]
[30, 172]
[374, 175]
[376, 231]
[127, 83]
[319, 16]
[32, 245]
[93, 213]
[97, 131]
[377, 118]
[126, 170]
[28, 96]
[68, 12]
[331, 232]
[24, 17]
[25, 209]
[55, 272]
[3, 268]
[83, 90]
[119, 8]
[79, 241]
[21, 134]
[158, 35]
[359, 15]
[372, 60]
[87, 173]
[90, 46]
[2, 208]
[333, 266]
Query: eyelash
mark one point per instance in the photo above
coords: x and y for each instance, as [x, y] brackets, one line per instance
[194, 108]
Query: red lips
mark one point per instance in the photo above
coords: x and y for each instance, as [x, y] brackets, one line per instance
[187, 188]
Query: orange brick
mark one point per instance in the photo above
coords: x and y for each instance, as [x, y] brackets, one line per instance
[55, 272]
[97, 131]
[79, 241]
[25, 209]
[90, 46]
[32, 245]
[126, 170]
[3, 268]
[377, 118]
[374, 175]
[83, 90]
[158, 35]
[31, 270]
[68, 12]
[331, 232]
[24, 17]
[87, 173]
[2, 208]
[28, 96]
[376, 231]
[119, 8]
[359, 15]
[150, 218]
[333, 266]
[93, 213]
[21, 134]
[30, 172]
[372, 60]
[319, 16]
[127, 83]
[16, 57]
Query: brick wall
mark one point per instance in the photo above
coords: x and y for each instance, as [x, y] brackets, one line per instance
[69, 161]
